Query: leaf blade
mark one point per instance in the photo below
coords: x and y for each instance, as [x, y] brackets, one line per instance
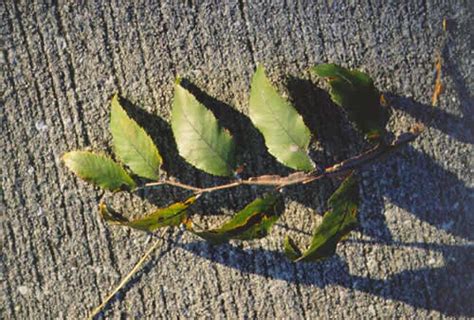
[354, 91]
[170, 216]
[337, 223]
[97, 169]
[286, 136]
[132, 145]
[200, 139]
[252, 222]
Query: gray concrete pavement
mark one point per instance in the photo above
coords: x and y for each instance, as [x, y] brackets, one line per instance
[412, 256]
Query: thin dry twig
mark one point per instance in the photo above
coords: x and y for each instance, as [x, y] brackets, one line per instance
[438, 85]
[125, 280]
[279, 182]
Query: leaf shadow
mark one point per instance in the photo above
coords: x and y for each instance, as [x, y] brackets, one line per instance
[427, 189]
[450, 287]
[422, 187]
[335, 137]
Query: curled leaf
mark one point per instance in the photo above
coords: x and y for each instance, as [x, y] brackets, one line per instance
[132, 144]
[252, 222]
[286, 136]
[291, 249]
[336, 224]
[355, 92]
[100, 170]
[200, 139]
[172, 215]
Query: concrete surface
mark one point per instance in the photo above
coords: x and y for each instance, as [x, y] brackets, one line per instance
[413, 254]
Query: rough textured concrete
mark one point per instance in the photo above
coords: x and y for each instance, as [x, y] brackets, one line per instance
[412, 256]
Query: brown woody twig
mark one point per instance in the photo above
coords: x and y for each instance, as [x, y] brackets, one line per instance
[340, 169]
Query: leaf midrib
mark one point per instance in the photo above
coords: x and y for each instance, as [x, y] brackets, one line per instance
[141, 155]
[201, 137]
[343, 77]
[278, 120]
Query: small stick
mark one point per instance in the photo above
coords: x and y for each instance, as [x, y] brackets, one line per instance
[124, 281]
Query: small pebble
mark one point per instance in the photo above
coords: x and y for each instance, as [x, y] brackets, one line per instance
[24, 290]
[41, 126]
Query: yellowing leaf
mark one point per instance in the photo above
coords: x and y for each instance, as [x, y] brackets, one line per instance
[286, 136]
[252, 222]
[132, 144]
[200, 139]
[336, 224]
[172, 215]
[98, 169]
[355, 92]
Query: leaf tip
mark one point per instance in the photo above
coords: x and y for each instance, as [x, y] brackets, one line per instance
[259, 72]
[115, 106]
[115, 102]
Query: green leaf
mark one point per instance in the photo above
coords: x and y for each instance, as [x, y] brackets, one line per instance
[252, 222]
[172, 216]
[336, 224]
[286, 136]
[355, 92]
[132, 144]
[200, 139]
[98, 169]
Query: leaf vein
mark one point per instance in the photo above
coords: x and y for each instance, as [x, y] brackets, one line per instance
[201, 137]
[146, 160]
[272, 112]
